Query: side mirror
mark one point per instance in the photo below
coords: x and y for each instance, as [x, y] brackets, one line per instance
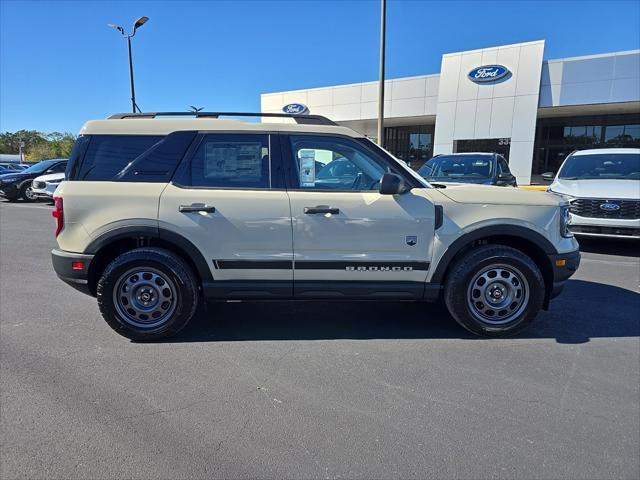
[548, 176]
[505, 177]
[392, 184]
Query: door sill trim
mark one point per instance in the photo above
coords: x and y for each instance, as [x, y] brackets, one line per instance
[319, 290]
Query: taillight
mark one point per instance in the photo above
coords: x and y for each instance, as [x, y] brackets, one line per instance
[58, 214]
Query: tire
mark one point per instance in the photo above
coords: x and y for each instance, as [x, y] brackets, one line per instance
[147, 294]
[494, 291]
[26, 193]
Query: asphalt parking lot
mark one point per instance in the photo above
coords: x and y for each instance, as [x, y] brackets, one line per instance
[313, 389]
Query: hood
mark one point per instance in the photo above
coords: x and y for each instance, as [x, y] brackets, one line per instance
[52, 177]
[449, 180]
[491, 195]
[622, 189]
[14, 174]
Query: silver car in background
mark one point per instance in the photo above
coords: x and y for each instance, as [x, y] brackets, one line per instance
[43, 187]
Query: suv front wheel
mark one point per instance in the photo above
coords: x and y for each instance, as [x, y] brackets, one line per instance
[147, 294]
[494, 291]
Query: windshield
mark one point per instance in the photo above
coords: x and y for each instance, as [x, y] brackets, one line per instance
[40, 166]
[611, 166]
[457, 166]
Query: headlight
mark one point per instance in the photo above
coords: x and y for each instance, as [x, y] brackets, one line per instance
[568, 198]
[565, 221]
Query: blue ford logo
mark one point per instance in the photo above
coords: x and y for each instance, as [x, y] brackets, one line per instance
[295, 108]
[488, 73]
[610, 207]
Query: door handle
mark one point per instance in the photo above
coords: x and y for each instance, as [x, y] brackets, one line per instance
[196, 207]
[321, 209]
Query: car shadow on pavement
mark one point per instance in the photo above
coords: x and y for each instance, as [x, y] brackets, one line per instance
[584, 311]
[623, 247]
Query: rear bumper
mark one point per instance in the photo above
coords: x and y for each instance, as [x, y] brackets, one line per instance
[564, 266]
[63, 264]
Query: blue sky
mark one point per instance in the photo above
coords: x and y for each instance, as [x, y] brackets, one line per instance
[60, 64]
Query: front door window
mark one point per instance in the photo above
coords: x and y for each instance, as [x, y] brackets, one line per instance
[334, 164]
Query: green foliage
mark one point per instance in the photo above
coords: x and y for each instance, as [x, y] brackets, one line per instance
[37, 145]
[10, 142]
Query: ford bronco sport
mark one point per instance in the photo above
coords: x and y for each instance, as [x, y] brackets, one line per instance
[157, 214]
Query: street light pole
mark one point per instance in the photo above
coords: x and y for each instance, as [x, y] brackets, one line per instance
[141, 21]
[133, 90]
[383, 21]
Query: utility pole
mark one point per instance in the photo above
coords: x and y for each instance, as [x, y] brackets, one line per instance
[383, 21]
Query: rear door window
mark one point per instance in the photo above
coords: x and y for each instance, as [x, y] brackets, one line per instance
[230, 161]
[108, 155]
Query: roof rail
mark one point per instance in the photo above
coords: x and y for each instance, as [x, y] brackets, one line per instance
[301, 119]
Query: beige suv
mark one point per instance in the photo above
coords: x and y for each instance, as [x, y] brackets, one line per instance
[158, 213]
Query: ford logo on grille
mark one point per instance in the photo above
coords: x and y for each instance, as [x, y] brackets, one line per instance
[488, 73]
[610, 207]
[295, 108]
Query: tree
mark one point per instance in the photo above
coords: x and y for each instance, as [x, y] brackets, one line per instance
[38, 146]
[10, 142]
[56, 145]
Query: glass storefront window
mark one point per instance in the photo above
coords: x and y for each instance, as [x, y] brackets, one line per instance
[413, 144]
[622, 134]
[556, 138]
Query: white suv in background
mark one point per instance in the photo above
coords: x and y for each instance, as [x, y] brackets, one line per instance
[603, 186]
[44, 186]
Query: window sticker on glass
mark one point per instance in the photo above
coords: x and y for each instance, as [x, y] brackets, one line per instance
[233, 160]
[307, 168]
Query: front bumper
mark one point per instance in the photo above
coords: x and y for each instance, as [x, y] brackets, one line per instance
[564, 265]
[42, 194]
[67, 267]
[605, 227]
[9, 190]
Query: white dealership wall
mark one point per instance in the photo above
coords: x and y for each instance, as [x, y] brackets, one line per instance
[504, 109]
[461, 109]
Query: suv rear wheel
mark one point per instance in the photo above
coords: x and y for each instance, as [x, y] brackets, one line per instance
[147, 294]
[494, 291]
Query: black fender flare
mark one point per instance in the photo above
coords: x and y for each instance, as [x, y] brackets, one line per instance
[136, 231]
[523, 233]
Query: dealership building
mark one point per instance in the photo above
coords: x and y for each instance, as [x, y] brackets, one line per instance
[504, 99]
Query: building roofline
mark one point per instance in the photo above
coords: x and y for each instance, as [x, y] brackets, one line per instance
[478, 50]
[595, 55]
[396, 79]
[371, 82]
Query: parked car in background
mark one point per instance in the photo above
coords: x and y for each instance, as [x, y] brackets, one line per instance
[12, 167]
[18, 184]
[43, 187]
[477, 168]
[603, 186]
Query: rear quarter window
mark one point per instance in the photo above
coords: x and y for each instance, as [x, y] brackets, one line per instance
[107, 155]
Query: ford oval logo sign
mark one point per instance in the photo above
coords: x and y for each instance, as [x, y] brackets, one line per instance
[295, 108]
[488, 73]
[610, 207]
